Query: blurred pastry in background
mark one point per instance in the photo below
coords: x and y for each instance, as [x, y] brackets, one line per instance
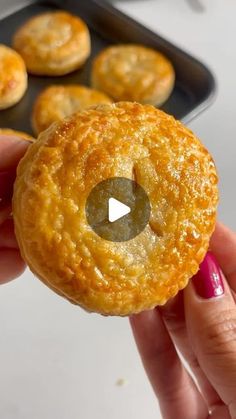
[57, 102]
[13, 77]
[14, 133]
[134, 72]
[53, 44]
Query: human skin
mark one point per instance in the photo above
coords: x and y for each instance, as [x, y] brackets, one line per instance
[11, 263]
[202, 326]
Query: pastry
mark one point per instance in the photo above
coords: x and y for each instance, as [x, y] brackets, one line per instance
[14, 133]
[53, 43]
[55, 178]
[133, 72]
[57, 102]
[13, 77]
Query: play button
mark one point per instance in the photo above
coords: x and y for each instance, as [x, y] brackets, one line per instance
[117, 209]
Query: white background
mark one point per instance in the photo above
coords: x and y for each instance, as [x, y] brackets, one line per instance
[57, 361]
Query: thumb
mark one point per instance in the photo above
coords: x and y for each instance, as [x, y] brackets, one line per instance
[211, 323]
[11, 151]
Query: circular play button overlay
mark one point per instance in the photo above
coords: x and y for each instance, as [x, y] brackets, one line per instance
[118, 209]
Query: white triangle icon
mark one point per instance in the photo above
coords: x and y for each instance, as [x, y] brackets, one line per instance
[116, 210]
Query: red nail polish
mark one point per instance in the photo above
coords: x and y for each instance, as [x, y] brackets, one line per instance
[208, 282]
[7, 179]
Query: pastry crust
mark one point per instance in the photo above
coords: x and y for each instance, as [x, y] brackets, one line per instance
[134, 72]
[53, 43]
[57, 174]
[57, 102]
[13, 77]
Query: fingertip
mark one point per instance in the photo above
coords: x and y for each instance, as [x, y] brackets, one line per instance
[220, 234]
[12, 150]
[135, 320]
[7, 235]
[12, 139]
[142, 317]
[11, 265]
[190, 293]
[223, 245]
[7, 179]
[5, 212]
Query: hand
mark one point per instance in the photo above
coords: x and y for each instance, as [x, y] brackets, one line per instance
[11, 263]
[201, 323]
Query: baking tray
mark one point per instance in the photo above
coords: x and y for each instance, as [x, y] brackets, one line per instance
[194, 87]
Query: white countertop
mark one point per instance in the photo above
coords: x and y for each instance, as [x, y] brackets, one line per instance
[57, 361]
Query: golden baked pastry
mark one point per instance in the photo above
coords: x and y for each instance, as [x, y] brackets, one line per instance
[14, 133]
[55, 178]
[13, 77]
[57, 102]
[53, 43]
[134, 72]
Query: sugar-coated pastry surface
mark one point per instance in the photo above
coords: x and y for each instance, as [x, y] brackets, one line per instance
[14, 133]
[13, 77]
[53, 43]
[55, 177]
[134, 72]
[59, 101]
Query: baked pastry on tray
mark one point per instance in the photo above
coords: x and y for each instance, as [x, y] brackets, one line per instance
[13, 77]
[55, 178]
[58, 101]
[133, 72]
[53, 43]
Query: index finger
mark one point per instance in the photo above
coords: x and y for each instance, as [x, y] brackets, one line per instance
[177, 393]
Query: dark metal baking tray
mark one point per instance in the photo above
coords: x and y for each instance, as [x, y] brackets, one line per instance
[195, 84]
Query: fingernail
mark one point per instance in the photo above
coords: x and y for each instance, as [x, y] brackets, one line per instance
[208, 282]
[7, 179]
